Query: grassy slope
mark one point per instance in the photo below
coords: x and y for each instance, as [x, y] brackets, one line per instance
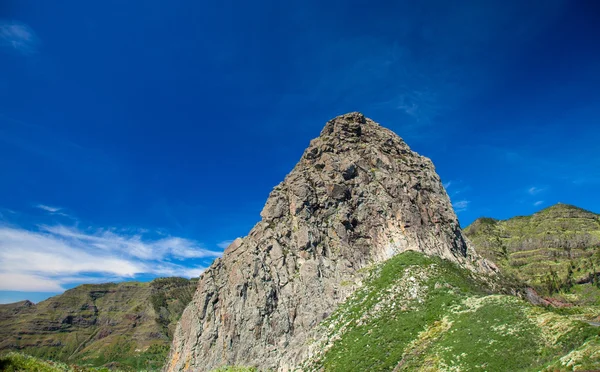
[16, 362]
[540, 249]
[127, 324]
[421, 313]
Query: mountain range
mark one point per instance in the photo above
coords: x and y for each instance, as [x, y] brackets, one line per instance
[358, 264]
[124, 325]
[554, 248]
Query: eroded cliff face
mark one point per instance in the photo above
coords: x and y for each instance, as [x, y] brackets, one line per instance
[357, 196]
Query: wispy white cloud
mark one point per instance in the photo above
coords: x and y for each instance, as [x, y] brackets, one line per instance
[535, 190]
[421, 105]
[18, 36]
[134, 244]
[461, 206]
[458, 187]
[51, 257]
[48, 208]
[539, 202]
[57, 211]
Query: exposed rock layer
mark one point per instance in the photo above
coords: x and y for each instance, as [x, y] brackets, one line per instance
[358, 196]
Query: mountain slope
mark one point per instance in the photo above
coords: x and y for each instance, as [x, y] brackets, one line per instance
[556, 247]
[130, 323]
[419, 313]
[358, 196]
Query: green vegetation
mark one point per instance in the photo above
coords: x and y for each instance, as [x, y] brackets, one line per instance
[125, 326]
[122, 355]
[236, 369]
[170, 297]
[552, 250]
[17, 362]
[423, 313]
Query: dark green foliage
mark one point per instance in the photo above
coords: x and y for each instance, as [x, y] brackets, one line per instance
[171, 282]
[552, 282]
[122, 356]
[17, 362]
[158, 300]
[169, 298]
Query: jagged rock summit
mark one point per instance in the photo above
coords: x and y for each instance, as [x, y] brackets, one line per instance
[358, 196]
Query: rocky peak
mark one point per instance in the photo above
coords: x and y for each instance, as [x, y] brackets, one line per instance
[357, 196]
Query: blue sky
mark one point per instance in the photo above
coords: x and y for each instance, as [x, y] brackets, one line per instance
[137, 138]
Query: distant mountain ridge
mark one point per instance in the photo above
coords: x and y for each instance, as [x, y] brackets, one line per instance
[556, 247]
[127, 324]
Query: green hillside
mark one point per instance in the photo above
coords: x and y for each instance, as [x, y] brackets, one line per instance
[418, 313]
[126, 325]
[552, 250]
[17, 362]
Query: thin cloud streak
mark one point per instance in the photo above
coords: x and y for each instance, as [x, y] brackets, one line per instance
[57, 211]
[535, 190]
[461, 206]
[48, 208]
[18, 36]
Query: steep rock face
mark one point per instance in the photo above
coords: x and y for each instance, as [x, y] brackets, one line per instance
[358, 196]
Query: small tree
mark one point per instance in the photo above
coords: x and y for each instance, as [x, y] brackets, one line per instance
[569, 281]
[552, 282]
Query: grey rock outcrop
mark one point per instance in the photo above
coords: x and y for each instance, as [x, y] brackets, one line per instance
[357, 196]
